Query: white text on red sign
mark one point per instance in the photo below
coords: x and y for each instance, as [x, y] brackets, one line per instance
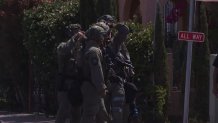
[191, 36]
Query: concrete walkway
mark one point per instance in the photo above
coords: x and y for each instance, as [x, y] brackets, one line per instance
[6, 117]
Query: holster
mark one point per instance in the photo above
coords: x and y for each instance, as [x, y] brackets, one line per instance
[116, 79]
[130, 91]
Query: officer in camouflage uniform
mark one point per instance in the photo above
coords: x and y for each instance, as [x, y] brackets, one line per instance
[116, 73]
[93, 88]
[118, 44]
[110, 21]
[69, 108]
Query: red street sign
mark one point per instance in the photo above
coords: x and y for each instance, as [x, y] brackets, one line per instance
[191, 36]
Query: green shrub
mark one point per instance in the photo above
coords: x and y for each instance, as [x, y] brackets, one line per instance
[139, 44]
[90, 10]
[106, 7]
[160, 70]
[44, 28]
[1, 3]
[160, 94]
[212, 35]
[200, 71]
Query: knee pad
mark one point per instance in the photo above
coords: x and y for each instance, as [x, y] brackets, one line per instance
[118, 101]
[134, 111]
[117, 109]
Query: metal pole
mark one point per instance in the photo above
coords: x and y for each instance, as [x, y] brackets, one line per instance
[188, 65]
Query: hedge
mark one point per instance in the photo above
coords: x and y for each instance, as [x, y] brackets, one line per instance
[44, 28]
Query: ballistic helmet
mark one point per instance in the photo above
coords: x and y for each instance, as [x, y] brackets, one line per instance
[104, 26]
[95, 32]
[72, 29]
[106, 18]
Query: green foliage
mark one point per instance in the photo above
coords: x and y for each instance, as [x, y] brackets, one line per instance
[1, 3]
[106, 7]
[114, 8]
[160, 93]
[90, 10]
[200, 71]
[3, 97]
[153, 110]
[139, 44]
[196, 120]
[179, 63]
[160, 70]
[87, 12]
[44, 28]
[212, 14]
[213, 40]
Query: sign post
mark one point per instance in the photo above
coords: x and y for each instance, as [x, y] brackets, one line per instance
[188, 65]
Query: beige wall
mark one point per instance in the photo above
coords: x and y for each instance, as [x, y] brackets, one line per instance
[147, 8]
[121, 9]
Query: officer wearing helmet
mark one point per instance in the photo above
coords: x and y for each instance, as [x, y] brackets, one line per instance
[93, 88]
[110, 21]
[120, 88]
[69, 108]
[107, 35]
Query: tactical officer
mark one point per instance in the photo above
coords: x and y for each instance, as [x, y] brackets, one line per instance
[129, 87]
[93, 87]
[116, 73]
[69, 108]
[215, 77]
[110, 21]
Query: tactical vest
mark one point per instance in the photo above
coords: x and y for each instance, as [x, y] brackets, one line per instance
[115, 65]
[71, 71]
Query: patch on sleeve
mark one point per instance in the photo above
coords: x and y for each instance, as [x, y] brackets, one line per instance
[94, 61]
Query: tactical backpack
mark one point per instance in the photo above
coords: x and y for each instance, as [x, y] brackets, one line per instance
[70, 79]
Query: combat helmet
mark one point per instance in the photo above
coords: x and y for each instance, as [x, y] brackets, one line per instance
[72, 29]
[104, 26]
[106, 18]
[95, 32]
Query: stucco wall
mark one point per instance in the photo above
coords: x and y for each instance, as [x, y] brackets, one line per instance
[147, 8]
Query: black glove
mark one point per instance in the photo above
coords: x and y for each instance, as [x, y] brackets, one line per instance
[121, 28]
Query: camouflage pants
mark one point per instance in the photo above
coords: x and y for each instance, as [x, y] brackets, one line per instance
[94, 110]
[117, 100]
[66, 112]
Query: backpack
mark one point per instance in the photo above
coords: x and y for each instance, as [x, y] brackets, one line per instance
[71, 71]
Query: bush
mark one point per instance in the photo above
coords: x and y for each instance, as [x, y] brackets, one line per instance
[200, 71]
[160, 70]
[1, 3]
[139, 44]
[90, 10]
[212, 35]
[44, 28]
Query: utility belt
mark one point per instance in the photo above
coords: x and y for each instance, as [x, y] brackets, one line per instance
[89, 81]
[66, 82]
[117, 79]
[68, 77]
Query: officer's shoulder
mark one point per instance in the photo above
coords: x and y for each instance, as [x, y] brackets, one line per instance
[61, 46]
[94, 50]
